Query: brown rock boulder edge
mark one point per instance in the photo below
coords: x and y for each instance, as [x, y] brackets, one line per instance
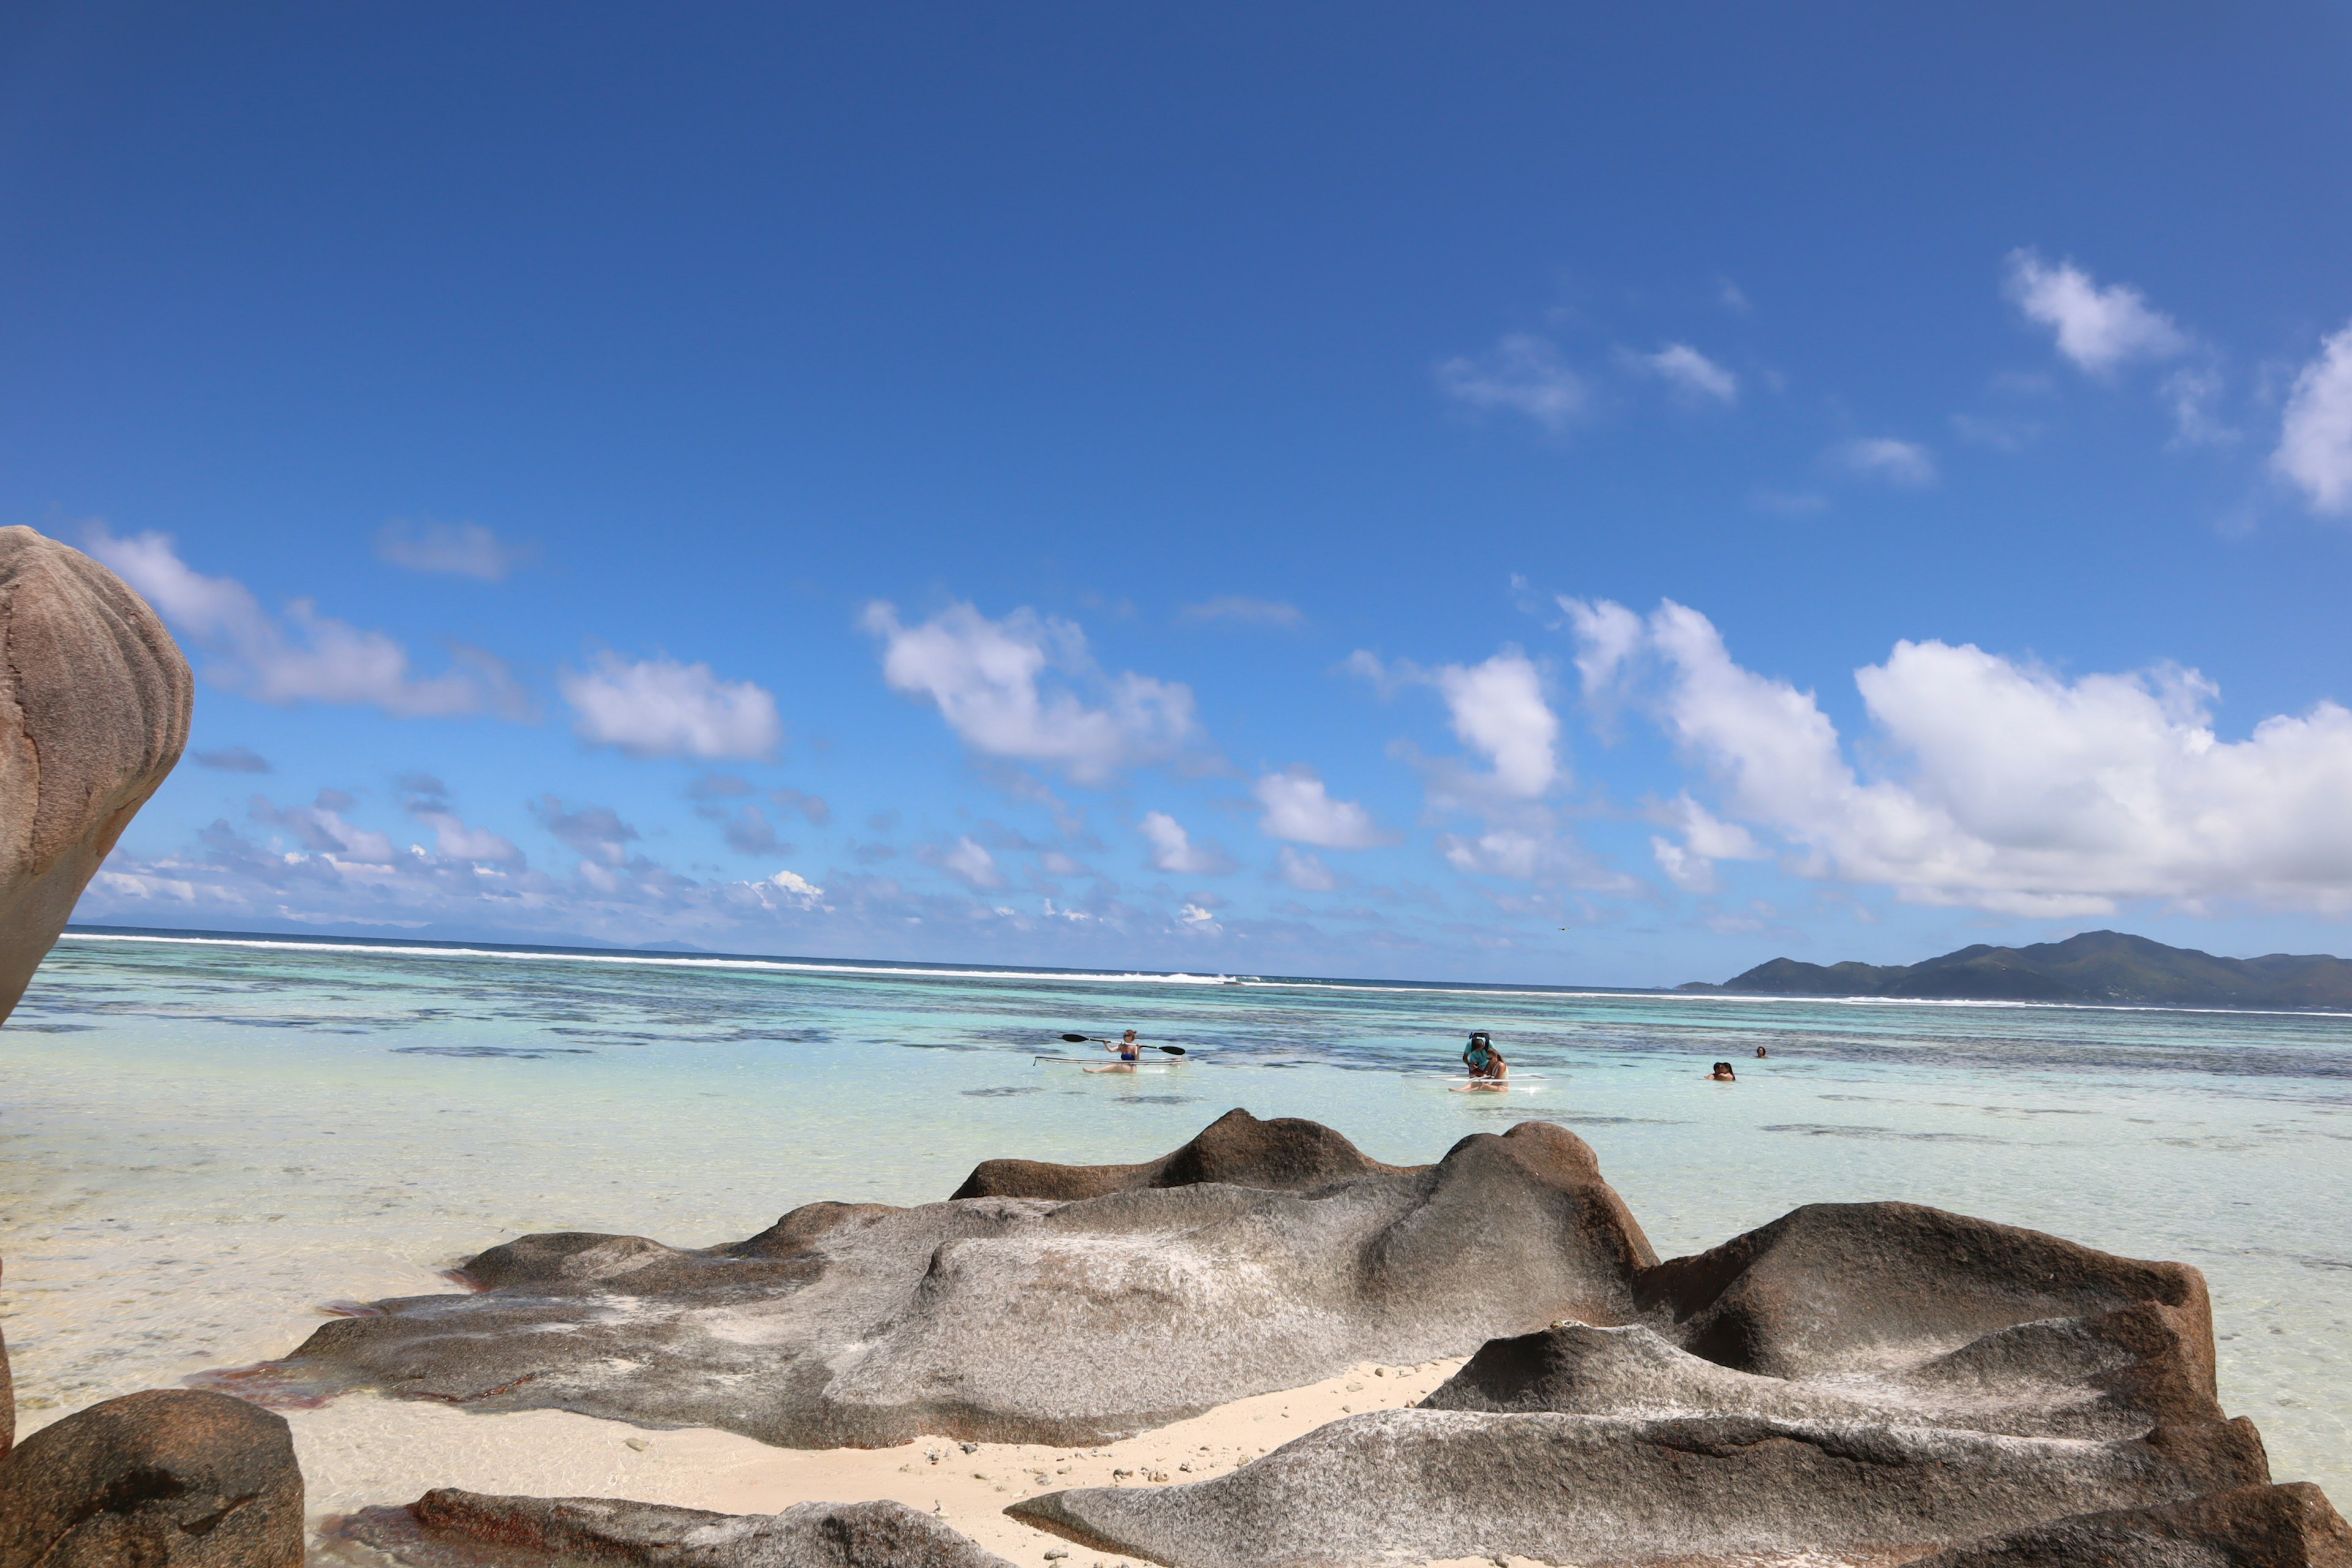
[1870, 1381]
[453, 1528]
[1882, 1312]
[1287, 1154]
[2248, 1527]
[988, 1319]
[1410, 1485]
[167, 1478]
[94, 706]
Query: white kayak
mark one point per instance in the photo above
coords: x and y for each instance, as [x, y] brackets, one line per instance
[1097, 1064]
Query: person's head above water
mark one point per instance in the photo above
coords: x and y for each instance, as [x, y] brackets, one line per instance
[1723, 1070]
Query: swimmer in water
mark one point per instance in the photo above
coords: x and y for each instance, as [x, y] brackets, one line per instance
[1723, 1074]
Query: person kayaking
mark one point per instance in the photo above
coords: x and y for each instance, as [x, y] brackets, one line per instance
[1483, 1060]
[1126, 1048]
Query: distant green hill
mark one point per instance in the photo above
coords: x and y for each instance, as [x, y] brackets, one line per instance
[2097, 966]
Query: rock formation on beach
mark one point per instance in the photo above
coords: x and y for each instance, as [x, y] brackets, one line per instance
[453, 1528]
[1853, 1385]
[984, 1318]
[166, 1478]
[1871, 1379]
[1287, 1154]
[94, 706]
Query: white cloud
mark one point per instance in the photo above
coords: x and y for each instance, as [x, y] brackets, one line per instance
[1249, 612]
[795, 887]
[1707, 838]
[2012, 789]
[2314, 449]
[307, 657]
[1729, 295]
[1498, 710]
[660, 708]
[990, 680]
[2100, 330]
[2193, 392]
[1299, 809]
[1174, 851]
[595, 833]
[451, 549]
[322, 828]
[456, 840]
[1305, 872]
[1523, 374]
[970, 862]
[1905, 463]
[1694, 377]
[1607, 635]
[1194, 915]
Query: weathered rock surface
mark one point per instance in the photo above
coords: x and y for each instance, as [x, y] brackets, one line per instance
[1871, 1380]
[166, 1478]
[1405, 1486]
[2248, 1527]
[1287, 1154]
[453, 1528]
[94, 706]
[986, 1317]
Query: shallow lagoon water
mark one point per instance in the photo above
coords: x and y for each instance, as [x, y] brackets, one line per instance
[205, 1144]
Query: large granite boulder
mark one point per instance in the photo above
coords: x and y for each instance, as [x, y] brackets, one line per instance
[166, 1478]
[1868, 1381]
[1018, 1320]
[1410, 1485]
[454, 1528]
[1287, 1154]
[94, 706]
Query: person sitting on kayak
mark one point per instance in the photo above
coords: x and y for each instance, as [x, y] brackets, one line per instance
[1483, 1060]
[1125, 1047]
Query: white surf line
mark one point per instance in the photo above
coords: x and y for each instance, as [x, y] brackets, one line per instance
[1181, 978]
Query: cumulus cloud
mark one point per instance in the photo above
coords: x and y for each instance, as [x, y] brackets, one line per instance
[1248, 612]
[2007, 787]
[1905, 463]
[2314, 449]
[306, 657]
[1174, 851]
[1690, 374]
[1689, 864]
[1026, 687]
[454, 838]
[1307, 873]
[968, 862]
[2100, 330]
[1300, 809]
[449, 549]
[1497, 710]
[322, 828]
[232, 760]
[660, 708]
[1523, 374]
[595, 833]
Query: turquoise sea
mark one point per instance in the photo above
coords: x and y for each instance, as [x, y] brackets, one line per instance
[206, 1141]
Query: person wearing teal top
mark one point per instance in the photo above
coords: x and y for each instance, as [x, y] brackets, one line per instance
[1483, 1060]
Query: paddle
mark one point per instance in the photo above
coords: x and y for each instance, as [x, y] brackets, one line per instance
[1091, 1040]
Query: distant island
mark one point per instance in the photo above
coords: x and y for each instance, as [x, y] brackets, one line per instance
[2099, 966]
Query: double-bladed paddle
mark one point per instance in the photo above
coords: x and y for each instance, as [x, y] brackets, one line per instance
[1091, 1040]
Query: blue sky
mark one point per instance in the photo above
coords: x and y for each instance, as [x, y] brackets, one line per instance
[1535, 494]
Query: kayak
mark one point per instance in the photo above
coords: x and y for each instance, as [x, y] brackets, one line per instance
[1096, 1064]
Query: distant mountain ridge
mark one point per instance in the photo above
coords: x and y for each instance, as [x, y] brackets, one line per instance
[2099, 966]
